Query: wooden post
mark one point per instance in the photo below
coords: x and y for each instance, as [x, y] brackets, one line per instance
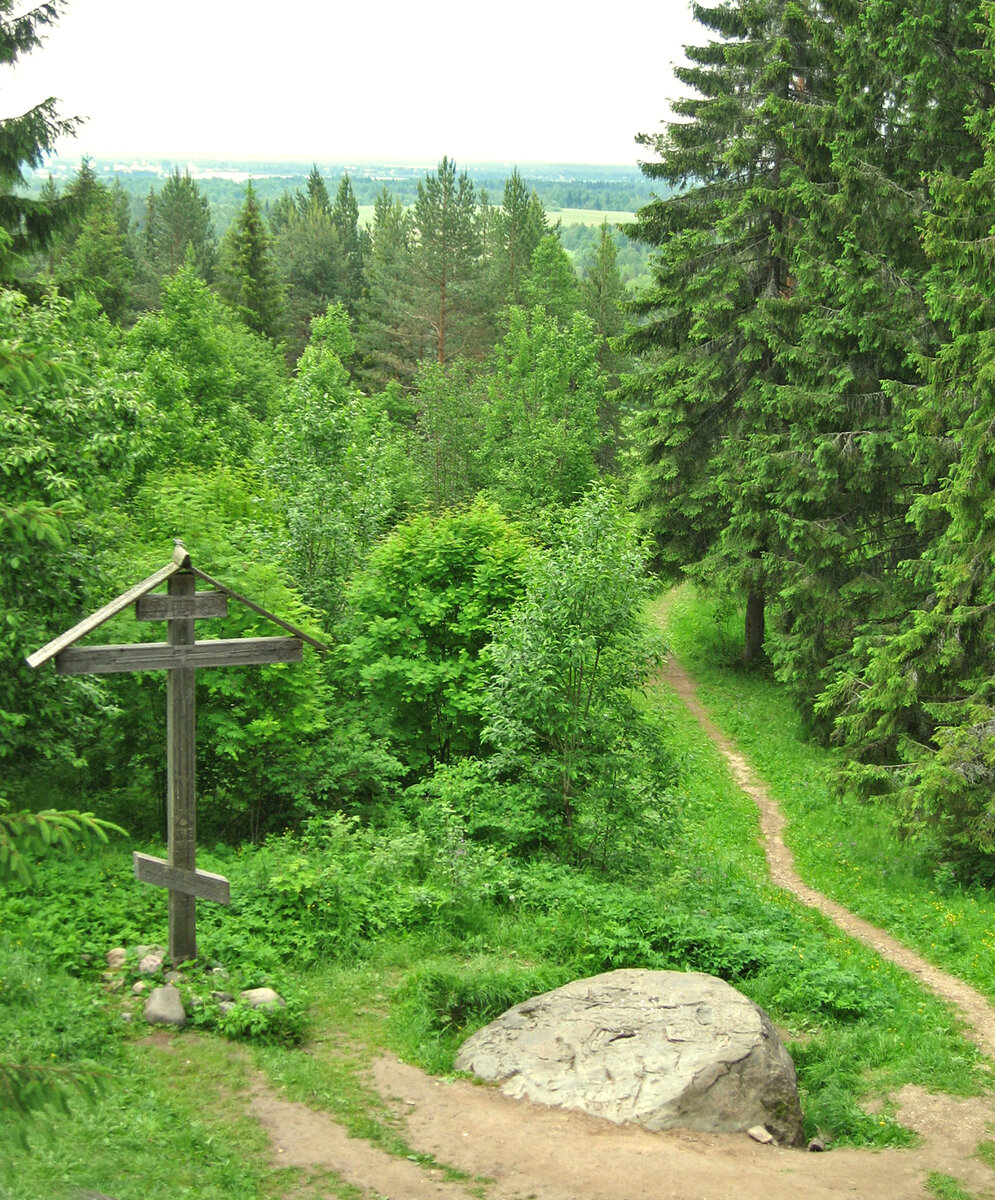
[181, 759]
[180, 657]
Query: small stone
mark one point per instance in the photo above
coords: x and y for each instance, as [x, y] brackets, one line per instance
[760, 1134]
[222, 996]
[114, 984]
[817, 1145]
[164, 1007]
[262, 997]
[116, 957]
[151, 962]
[127, 1017]
[174, 977]
[139, 987]
[226, 1006]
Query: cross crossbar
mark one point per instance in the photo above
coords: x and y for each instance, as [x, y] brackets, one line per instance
[180, 656]
[157, 871]
[161, 656]
[167, 608]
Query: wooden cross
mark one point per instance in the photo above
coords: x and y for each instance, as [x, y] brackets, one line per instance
[180, 656]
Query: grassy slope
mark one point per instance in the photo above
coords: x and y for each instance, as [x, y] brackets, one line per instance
[846, 848]
[485, 940]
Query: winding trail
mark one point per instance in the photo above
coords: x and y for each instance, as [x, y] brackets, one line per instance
[978, 1013]
[510, 1149]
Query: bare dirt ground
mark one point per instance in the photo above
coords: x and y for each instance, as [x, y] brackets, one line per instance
[514, 1150]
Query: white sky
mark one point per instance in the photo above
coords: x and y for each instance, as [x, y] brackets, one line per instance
[510, 81]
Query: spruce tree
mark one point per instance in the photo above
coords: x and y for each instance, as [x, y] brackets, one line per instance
[177, 223]
[345, 217]
[28, 223]
[703, 390]
[316, 195]
[520, 226]
[858, 326]
[247, 275]
[915, 705]
[390, 341]
[312, 264]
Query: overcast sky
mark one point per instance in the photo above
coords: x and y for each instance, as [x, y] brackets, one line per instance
[509, 81]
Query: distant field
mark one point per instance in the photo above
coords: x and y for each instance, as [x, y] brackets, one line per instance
[589, 216]
[567, 216]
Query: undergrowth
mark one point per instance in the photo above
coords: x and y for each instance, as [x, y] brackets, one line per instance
[846, 847]
[411, 936]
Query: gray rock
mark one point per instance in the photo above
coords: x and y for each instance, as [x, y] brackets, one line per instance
[116, 957]
[660, 1049]
[262, 997]
[139, 986]
[761, 1134]
[164, 1007]
[151, 962]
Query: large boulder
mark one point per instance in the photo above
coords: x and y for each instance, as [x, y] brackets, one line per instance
[660, 1049]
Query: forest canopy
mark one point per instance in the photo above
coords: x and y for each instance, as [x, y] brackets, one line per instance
[394, 404]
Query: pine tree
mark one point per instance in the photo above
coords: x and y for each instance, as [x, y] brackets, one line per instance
[444, 260]
[247, 276]
[27, 223]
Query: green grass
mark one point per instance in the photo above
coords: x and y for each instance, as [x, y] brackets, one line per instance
[566, 216]
[844, 847]
[945, 1187]
[393, 949]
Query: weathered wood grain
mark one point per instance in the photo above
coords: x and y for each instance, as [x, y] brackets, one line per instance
[161, 656]
[94, 620]
[164, 608]
[181, 774]
[203, 884]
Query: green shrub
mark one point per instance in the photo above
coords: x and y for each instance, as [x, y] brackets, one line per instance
[441, 1003]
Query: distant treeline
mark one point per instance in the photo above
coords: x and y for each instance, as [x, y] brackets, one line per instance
[603, 189]
[609, 190]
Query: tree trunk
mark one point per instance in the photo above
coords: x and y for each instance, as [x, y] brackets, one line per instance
[753, 645]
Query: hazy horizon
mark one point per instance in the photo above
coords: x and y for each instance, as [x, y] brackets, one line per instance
[210, 81]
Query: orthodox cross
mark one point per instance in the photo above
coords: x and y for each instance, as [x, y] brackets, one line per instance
[179, 656]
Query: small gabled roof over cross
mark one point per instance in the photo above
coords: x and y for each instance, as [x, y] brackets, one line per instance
[179, 657]
[180, 562]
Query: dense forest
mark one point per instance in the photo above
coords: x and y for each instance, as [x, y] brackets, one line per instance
[420, 436]
[463, 447]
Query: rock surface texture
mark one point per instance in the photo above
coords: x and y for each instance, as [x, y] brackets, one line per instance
[165, 1007]
[660, 1049]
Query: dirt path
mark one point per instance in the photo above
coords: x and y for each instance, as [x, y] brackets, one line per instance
[514, 1150]
[978, 1013]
